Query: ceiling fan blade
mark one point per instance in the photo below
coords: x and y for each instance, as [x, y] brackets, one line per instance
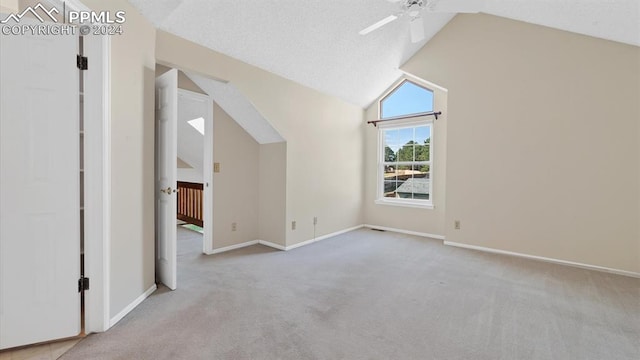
[456, 6]
[378, 25]
[416, 26]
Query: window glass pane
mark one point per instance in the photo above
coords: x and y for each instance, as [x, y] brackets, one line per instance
[423, 133]
[407, 99]
[422, 152]
[406, 153]
[389, 155]
[404, 172]
[392, 138]
[421, 171]
[405, 189]
[390, 172]
[416, 187]
[390, 188]
[405, 136]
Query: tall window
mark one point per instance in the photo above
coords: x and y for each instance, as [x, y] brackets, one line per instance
[405, 164]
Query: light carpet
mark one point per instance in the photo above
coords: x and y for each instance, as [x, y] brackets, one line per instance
[375, 295]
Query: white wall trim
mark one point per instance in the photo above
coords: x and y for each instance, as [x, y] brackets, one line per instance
[426, 82]
[545, 259]
[311, 241]
[408, 232]
[114, 320]
[410, 204]
[231, 247]
[272, 245]
[106, 172]
[97, 176]
[245, 244]
[278, 246]
[97, 183]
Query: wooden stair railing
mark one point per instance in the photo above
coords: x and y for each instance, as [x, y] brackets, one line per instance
[190, 196]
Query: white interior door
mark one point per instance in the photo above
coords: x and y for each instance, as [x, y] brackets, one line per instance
[166, 172]
[39, 189]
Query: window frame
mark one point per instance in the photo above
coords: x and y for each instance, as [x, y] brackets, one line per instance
[403, 124]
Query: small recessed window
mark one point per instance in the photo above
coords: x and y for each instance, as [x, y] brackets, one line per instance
[406, 99]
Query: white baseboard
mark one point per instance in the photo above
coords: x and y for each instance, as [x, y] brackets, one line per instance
[319, 238]
[545, 259]
[311, 241]
[132, 306]
[245, 244]
[339, 232]
[232, 247]
[272, 245]
[408, 232]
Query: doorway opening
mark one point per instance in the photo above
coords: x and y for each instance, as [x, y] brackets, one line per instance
[184, 167]
[193, 109]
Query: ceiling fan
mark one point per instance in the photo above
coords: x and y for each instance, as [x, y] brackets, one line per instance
[413, 9]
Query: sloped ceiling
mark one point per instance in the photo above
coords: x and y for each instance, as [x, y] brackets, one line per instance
[236, 105]
[316, 42]
[616, 20]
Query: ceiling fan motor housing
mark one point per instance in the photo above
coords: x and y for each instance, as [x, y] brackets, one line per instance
[413, 7]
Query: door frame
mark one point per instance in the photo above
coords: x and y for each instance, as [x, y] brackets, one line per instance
[97, 181]
[207, 166]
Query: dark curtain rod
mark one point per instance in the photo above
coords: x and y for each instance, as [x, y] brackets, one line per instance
[432, 113]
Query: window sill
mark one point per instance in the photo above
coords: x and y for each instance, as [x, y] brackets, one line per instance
[409, 204]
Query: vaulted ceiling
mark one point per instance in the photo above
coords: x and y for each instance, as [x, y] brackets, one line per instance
[316, 42]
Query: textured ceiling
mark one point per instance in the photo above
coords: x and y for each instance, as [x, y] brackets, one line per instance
[617, 20]
[316, 42]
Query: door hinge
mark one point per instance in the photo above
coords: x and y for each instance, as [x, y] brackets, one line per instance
[83, 284]
[82, 62]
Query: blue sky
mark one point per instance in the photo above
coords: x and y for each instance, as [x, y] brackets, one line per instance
[405, 100]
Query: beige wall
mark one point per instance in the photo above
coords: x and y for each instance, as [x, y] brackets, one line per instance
[324, 137]
[132, 154]
[429, 221]
[542, 139]
[235, 187]
[183, 80]
[10, 6]
[273, 193]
